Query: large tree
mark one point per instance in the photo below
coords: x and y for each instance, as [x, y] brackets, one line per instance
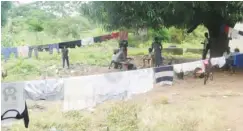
[117, 14]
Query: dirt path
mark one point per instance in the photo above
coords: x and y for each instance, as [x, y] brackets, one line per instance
[224, 93]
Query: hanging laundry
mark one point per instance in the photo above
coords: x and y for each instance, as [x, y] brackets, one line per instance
[233, 33]
[106, 37]
[50, 89]
[23, 51]
[189, 66]
[53, 46]
[70, 44]
[97, 39]
[220, 61]
[88, 41]
[88, 91]
[31, 49]
[6, 52]
[115, 35]
[164, 75]
[79, 44]
[40, 48]
[241, 33]
[123, 35]
[13, 104]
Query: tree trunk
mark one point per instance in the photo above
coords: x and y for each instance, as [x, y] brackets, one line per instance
[219, 40]
[218, 45]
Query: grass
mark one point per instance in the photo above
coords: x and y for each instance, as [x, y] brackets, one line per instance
[133, 115]
[98, 54]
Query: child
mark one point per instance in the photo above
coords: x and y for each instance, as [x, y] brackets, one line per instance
[114, 58]
[149, 58]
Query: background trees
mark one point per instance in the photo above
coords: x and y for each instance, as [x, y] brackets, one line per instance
[212, 15]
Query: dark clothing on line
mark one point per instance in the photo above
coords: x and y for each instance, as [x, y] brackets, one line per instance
[70, 44]
[106, 37]
[97, 39]
[42, 48]
[33, 48]
[52, 46]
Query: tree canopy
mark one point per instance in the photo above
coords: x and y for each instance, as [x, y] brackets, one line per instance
[133, 14]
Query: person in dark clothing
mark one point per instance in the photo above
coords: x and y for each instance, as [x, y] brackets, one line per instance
[206, 46]
[65, 56]
[124, 44]
[157, 47]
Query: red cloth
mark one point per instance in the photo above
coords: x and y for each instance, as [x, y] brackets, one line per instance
[106, 37]
[115, 35]
[123, 35]
[226, 29]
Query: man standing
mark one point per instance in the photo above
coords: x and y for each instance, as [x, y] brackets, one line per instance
[65, 57]
[206, 46]
[157, 47]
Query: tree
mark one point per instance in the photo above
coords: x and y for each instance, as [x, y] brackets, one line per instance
[5, 7]
[117, 14]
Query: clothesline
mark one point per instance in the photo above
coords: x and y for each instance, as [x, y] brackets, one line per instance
[26, 51]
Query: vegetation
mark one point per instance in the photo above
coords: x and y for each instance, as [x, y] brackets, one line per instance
[41, 23]
[136, 14]
[5, 6]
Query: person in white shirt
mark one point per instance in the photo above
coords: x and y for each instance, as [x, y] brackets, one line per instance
[227, 53]
[117, 57]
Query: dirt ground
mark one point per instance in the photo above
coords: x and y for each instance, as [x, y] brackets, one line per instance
[224, 93]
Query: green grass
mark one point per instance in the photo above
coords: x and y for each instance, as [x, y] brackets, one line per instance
[98, 54]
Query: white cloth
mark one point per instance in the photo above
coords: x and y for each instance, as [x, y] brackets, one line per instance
[88, 91]
[23, 51]
[226, 55]
[113, 58]
[220, 61]
[189, 66]
[233, 33]
[51, 89]
[12, 98]
[87, 41]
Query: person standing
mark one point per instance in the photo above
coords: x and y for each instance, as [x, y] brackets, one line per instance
[157, 47]
[65, 57]
[206, 46]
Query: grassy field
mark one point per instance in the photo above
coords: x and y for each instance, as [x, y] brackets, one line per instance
[98, 54]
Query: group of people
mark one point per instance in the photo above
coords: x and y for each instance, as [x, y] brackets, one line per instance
[155, 53]
[229, 57]
[227, 54]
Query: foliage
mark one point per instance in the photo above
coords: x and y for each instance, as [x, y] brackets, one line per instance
[5, 7]
[132, 14]
[38, 23]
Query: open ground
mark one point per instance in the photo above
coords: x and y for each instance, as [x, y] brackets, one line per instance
[188, 105]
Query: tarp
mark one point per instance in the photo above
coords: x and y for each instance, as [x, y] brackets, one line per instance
[51, 89]
[88, 91]
[238, 60]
